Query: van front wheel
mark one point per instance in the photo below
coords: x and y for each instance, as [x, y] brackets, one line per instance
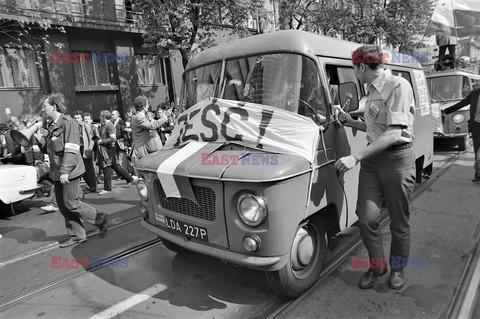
[307, 256]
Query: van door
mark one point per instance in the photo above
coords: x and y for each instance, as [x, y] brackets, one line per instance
[347, 140]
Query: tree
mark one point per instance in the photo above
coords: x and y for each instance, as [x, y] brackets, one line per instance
[398, 22]
[296, 14]
[403, 21]
[179, 24]
[28, 28]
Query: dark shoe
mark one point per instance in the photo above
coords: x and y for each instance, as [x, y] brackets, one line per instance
[88, 191]
[368, 279]
[104, 226]
[72, 241]
[396, 280]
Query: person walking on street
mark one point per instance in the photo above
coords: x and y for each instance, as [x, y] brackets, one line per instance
[387, 163]
[473, 98]
[66, 168]
[142, 141]
[121, 142]
[107, 157]
[89, 158]
[86, 149]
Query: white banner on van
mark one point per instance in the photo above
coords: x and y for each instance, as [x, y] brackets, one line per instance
[223, 121]
[252, 125]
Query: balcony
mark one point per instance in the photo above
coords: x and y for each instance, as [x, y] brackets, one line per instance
[116, 15]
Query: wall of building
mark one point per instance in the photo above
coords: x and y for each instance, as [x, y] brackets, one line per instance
[60, 75]
[157, 94]
[15, 101]
[61, 78]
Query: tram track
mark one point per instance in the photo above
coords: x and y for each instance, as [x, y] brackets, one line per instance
[282, 305]
[82, 271]
[279, 305]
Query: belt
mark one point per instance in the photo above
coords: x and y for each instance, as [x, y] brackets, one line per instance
[399, 147]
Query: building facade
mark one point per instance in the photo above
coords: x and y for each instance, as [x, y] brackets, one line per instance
[90, 51]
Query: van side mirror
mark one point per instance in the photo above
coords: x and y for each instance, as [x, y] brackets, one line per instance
[348, 96]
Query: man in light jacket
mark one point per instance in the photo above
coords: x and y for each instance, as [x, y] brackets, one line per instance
[142, 141]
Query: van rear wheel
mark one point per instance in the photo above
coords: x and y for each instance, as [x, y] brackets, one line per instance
[307, 256]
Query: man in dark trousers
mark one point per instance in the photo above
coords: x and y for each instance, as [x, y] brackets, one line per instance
[107, 153]
[86, 149]
[121, 143]
[473, 125]
[387, 164]
[66, 168]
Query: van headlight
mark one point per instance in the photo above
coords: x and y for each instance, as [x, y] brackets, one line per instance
[252, 209]
[142, 189]
[458, 118]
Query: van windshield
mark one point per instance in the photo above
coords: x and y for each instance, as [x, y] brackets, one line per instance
[287, 81]
[446, 88]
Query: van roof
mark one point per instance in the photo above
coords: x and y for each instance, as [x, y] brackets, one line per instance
[293, 41]
[452, 72]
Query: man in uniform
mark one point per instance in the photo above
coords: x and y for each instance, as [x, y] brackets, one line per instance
[387, 163]
[66, 168]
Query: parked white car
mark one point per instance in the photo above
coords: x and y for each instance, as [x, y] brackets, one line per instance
[17, 182]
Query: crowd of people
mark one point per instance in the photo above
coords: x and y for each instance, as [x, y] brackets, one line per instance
[111, 146]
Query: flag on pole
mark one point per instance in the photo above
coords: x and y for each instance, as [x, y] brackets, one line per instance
[459, 18]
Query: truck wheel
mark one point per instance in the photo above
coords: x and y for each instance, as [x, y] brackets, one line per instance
[173, 247]
[307, 256]
[462, 143]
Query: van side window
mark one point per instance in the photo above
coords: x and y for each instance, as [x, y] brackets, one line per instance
[312, 101]
[337, 75]
[407, 77]
[404, 75]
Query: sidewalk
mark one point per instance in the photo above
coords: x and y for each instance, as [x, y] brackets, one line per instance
[33, 230]
[444, 222]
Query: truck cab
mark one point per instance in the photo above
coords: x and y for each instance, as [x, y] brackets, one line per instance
[446, 89]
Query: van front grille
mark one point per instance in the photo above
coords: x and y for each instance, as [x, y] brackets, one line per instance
[205, 198]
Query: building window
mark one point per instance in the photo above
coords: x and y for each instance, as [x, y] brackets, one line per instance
[18, 68]
[150, 71]
[89, 72]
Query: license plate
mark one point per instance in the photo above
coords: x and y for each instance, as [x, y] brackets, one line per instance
[187, 230]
